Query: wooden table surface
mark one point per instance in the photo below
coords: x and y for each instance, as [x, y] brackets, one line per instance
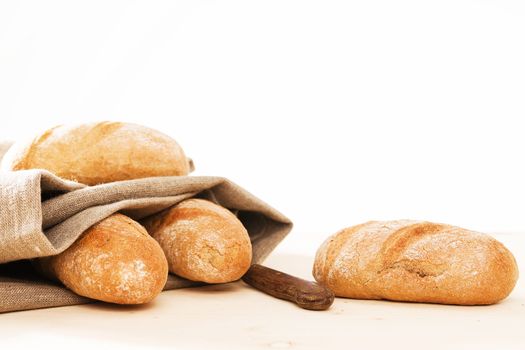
[235, 316]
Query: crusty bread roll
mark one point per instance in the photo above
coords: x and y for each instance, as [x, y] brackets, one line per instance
[416, 261]
[202, 241]
[99, 153]
[114, 260]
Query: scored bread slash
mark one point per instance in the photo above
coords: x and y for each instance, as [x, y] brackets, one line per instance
[306, 294]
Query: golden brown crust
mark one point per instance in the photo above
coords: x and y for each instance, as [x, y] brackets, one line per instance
[100, 152]
[416, 261]
[202, 241]
[115, 261]
[330, 249]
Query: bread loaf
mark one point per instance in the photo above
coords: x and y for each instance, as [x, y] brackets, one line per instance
[99, 153]
[202, 241]
[416, 261]
[115, 261]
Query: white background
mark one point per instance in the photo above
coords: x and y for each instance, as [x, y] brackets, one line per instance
[334, 112]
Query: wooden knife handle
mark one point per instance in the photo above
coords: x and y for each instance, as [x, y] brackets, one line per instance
[306, 294]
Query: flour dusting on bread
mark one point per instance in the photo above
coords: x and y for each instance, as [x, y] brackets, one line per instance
[416, 261]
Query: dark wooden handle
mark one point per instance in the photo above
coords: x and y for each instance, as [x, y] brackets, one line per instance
[306, 294]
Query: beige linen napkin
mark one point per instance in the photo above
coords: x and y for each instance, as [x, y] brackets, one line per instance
[42, 215]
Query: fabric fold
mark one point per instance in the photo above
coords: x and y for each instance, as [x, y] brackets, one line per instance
[42, 215]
